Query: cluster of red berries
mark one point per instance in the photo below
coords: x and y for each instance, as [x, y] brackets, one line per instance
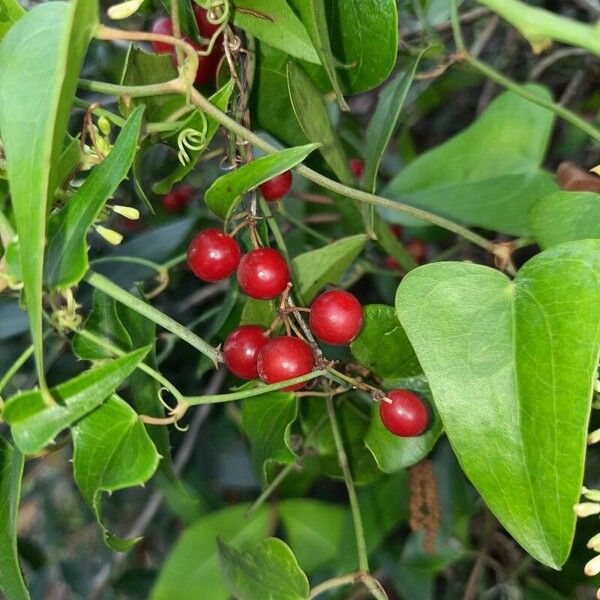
[207, 65]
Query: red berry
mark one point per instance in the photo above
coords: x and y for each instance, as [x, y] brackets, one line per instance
[417, 249]
[263, 273]
[241, 348]
[277, 187]
[205, 27]
[396, 230]
[336, 317]
[283, 358]
[391, 263]
[213, 255]
[164, 26]
[357, 166]
[405, 415]
[176, 199]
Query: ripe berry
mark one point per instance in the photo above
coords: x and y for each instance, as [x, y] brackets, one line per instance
[277, 187]
[164, 26]
[336, 317]
[406, 415]
[213, 255]
[177, 198]
[205, 27]
[417, 249]
[357, 166]
[241, 348]
[263, 273]
[283, 358]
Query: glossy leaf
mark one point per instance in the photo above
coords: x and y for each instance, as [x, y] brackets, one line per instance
[10, 12]
[269, 570]
[385, 119]
[275, 23]
[313, 529]
[319, 267]
[66, 253]
[267, 421]
[224, 194]
[112, 451]
[392, 453]
[220, 99]
[258, 312]
[41, 56]
[489, 174]
[34, 424]
[382, 345]
[193, 564]
[565, 217]
[11, 473]
[522, 354]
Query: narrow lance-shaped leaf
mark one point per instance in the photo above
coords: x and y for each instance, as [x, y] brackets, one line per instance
[522, 354]
[66, 253]
[11, 473]
[112, 451]
[34, 424]
[225, 193]
[40, 56]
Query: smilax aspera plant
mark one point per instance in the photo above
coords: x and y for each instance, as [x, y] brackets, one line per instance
[299, 299]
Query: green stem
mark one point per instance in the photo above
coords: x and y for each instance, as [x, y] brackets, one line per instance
[15, 367]
[176, 260]
[98, 110]
[331, 584]
[134, 260]
[118, 293]
[304, 227]
[134, 91]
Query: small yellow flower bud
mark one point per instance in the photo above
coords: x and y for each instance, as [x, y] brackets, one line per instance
[104, 125]
[592, 567]
[586, 509]
[133, 214]
[123, 9]
[594, 543]
[593, 495]
[112, 237]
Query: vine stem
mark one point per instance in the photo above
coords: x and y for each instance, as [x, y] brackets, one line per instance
[333, 583]
[118, 293]
[21, 360]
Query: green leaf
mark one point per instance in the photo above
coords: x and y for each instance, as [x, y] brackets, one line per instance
[314, 17]
[274, 22]
[220, 99]
[392, 453]
[313, 529]
[326, 265]
[511, 366]
[10, 12]
[385, 119]
[11, 473]
[112, 451]
[224, 194]
[40, 59]
[66, 252]
[267, 572]
[565, 217]
[489, 174]
[192, 567]
[34, 424]
[258, 312]
[267, 421]
[382, 345]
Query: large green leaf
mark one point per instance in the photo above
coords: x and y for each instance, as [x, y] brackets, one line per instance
[382, 345]
[192, 568]
[11, 472]
[565, 217]
[392, 453]
[487, 175]
[10, 12]
[34, 424]
[267, 421]
[220, 99]
[112, 451]
[511, 366]
[274, 22]
[66, 251]
[224, 194]
[40, 58]
[269, 571]
[313, 529]
[319, 267]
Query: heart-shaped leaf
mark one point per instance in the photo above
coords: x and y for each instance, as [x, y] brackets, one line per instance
[112, 451]
[35, 424]
[565, 217]
[225, 193]
[511, 366]
[270, 570]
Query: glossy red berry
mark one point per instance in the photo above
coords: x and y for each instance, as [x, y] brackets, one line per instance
[405, 415]
[336, 317]
[277, 187]
[263, 273]
[241, 348]
[283, 358]
[164, 26]
[357, 166]
[213, 255]
[417, 249]
[205, 27]
[177, 198]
